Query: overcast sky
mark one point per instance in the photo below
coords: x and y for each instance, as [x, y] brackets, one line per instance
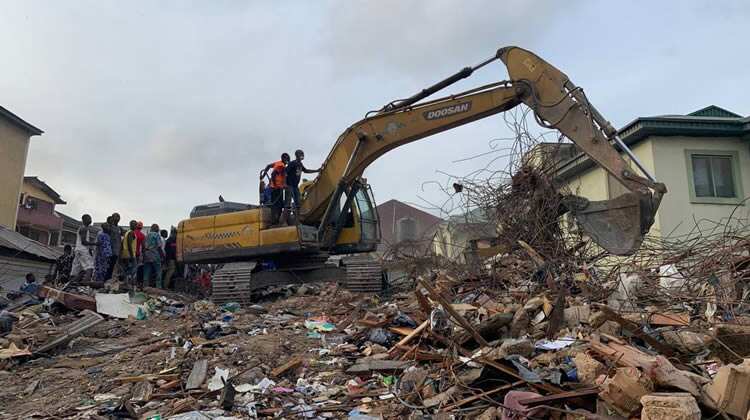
[150, 108]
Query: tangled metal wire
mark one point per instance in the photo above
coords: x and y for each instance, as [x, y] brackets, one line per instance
[516, 197]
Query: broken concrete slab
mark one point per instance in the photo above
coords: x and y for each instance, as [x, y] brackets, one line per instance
[670, 406]
[520, 346]
[588, 368]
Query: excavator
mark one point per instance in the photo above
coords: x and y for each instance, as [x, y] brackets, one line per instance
[337, 214]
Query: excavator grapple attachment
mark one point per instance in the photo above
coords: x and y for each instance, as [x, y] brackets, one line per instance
[617, 225]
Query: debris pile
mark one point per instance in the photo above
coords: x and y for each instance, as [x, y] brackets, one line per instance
[541, 324]
[448, 345]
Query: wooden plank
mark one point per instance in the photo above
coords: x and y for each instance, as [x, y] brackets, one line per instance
[411, 336]
[636, 330]
[373, 323]
[464, 307]
[294, 363]
[669, 319]
[139, 378]
[405, 331]
[447, 306]
[563, 396]
[482, 395]
[363, 366]
[70, 300]
[197, 375]
[88, 320]
[424, 304]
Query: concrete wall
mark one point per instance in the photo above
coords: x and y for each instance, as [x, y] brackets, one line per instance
[36, 192]
[593, 185]
[678, 215]
[665, 157]
[14, 147]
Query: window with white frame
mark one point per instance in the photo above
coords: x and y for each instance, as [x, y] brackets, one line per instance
[714, 177]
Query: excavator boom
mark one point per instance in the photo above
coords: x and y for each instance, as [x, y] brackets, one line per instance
[617, 225]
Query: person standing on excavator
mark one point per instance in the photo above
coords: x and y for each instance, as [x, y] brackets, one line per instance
[294, 172]
[278, 186]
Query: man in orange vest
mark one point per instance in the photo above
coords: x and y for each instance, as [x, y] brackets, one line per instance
[278, 186]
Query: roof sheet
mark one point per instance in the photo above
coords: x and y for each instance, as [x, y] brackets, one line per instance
[15, 241]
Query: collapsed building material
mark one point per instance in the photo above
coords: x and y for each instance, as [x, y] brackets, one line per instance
[71, 300]
[730, 389]
[624, 390]
[87, 321]
[670, 406]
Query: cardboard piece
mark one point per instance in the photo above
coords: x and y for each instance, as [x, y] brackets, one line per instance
[730, 389]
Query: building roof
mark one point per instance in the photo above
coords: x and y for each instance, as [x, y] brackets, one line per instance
[392, 211]
[20, 123]
[711, 121]
[44, 187]
[67, 219]
[19, 244]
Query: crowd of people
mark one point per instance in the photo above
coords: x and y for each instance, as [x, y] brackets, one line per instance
[282, 190]
[137, 258]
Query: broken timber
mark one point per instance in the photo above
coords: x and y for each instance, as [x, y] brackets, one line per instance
[70, 300]
[447, 306]
[88, 320]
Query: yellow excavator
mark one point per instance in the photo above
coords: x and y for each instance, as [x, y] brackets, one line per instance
[337, 213]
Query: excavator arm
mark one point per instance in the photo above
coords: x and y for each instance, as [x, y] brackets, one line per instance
[617, 225]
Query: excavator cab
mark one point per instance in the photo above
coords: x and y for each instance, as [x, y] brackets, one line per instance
[355, 218]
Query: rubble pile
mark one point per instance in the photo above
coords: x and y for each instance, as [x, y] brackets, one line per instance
[450, 346]
[543, 326]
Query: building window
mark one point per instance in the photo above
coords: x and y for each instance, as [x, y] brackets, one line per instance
[714, 177]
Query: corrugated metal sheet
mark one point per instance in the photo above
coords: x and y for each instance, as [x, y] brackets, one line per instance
[15, 241]
[13, 271]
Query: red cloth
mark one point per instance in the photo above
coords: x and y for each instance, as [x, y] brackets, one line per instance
[517, 411]
[139, 238]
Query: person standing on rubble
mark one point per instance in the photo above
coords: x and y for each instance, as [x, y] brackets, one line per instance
[63, 265]
[128, 256]
[103, 252]
[140, 237]
[294, 171]
[278, 186]
[152, 256]
[83, 256]
[170, 253]
[115, 235]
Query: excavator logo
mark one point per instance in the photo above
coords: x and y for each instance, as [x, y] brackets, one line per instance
[447, 111]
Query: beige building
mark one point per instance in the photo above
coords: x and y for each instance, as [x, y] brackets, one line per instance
[702, 157]
[15, 134]
[460, 234]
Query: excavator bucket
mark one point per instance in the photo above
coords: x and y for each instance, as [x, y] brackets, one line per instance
[617, 225]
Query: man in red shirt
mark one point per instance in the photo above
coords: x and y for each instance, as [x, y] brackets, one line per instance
[278, 186]
[139, 239]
